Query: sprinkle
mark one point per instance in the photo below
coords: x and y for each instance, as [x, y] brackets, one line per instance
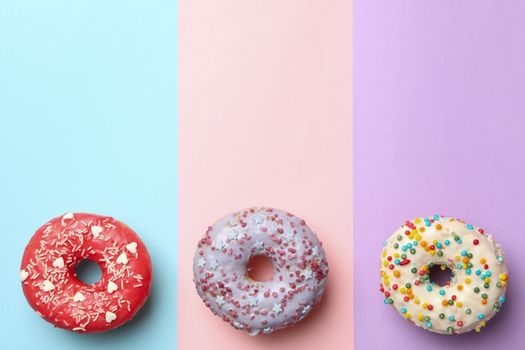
[122, 259]
[220, 300]
[132, 247]
[277, 308]
[110, 317]
[78, 297]
[47, 286]
[23, 275]
[96, 231]
[112, 287]
[59, 263]
[404, 262]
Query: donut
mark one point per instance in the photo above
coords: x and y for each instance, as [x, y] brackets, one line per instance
[51, 285]
[299, 263]
[476, 290]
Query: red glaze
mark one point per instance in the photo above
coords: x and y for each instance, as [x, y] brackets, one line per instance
[48, 272]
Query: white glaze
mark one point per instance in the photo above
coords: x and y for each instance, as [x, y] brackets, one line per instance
[434, 230]
[300, 269]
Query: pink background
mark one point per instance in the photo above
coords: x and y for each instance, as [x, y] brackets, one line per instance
[265, 119]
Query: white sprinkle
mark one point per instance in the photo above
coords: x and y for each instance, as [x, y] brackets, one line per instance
[96, 231]
[112, 287]
[232, 235]
[219, 245]
[258, 219]
[201, 262]
[220, 300]
[307, 274]
[315, 251]
[214, 264]
[58, 263]
[132, 247]
[68, 216]
[277, 308]
[110, 316]
[306, 309]
[259, 245]
[23, 275]
[78, 297]
[240, 235]
[47, 286]
[122, 259]
[289, 234]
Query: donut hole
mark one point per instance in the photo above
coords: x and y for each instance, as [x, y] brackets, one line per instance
[440, 275]
[260, 268]
[88, 271]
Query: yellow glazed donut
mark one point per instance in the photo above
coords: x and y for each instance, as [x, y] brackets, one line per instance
[476, 291]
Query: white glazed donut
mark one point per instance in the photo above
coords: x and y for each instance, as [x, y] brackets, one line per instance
[477, 289]
[300, 269]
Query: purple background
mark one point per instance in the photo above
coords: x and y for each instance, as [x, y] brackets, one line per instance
[439, 129]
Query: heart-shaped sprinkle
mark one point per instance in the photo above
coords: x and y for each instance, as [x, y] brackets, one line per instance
[132, 247]
[112, 287]
[58, 263]
[110, 316]
[78, 297]
[67, 217]
[23, 275]
[47, 286]
[122, 259]
[96, 231]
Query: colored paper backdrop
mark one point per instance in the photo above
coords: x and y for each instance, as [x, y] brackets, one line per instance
[439, 129]
[88, 122]
[265, 119]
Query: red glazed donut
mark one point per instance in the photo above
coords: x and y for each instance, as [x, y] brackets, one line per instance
[49, 280]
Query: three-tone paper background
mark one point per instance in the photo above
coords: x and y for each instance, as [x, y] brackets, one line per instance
[354, 116]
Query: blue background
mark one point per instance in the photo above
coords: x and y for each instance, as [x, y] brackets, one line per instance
[88, 122]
